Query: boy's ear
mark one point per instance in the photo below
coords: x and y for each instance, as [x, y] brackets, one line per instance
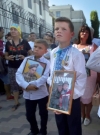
[73, 34]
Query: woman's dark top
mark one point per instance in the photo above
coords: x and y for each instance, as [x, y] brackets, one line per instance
[21, 49]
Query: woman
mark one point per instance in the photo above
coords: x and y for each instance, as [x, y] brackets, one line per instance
[84, 45]
[15, 51]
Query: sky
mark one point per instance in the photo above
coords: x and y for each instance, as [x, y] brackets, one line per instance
[86, 5]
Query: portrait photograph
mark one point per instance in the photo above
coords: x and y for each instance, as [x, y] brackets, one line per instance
[61, 91]
[33, 70]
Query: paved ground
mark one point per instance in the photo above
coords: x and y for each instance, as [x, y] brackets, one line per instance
[14, 123]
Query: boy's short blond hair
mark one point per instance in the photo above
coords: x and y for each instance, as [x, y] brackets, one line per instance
[42, 41]
[67, 20]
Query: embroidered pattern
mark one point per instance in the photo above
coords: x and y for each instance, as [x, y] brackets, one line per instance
[61, 56]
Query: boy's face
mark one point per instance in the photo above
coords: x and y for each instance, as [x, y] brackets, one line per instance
[63, 33]
[65, 87]
[39, 50]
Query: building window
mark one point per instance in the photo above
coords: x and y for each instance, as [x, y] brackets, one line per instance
[40, 7]
[30, 4]
[15, 16]
[30, 23]
[57, 13]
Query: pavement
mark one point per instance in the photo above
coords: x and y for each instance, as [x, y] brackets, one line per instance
[15, 123]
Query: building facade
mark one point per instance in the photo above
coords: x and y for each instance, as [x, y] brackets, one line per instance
[31, 15]
[76, 16]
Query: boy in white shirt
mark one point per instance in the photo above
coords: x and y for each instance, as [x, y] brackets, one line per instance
[35, 92]
[64, 31]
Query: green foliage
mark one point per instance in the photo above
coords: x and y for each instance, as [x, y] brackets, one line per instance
[95, 23]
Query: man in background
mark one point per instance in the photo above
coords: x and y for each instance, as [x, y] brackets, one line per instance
[32, 37]
[51, 45]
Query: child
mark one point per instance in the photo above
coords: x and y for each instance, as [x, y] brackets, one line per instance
[65, 96]
[35, 92]
[66, 57]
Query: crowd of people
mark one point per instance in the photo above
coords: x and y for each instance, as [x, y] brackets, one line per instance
[51, 50]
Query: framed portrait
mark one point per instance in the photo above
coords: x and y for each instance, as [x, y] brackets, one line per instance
[33, 70]
[61, 91]
[87, 55]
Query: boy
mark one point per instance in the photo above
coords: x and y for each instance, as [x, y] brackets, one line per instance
[65, 53]
[35, 92]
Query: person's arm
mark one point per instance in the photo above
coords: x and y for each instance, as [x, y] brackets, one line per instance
[49, 80]
[20, 79]
[94, 47]
[43, 79]
[7, 56]
[81, 76]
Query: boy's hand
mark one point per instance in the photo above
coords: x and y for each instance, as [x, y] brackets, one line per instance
[56, 112]
[31, 87]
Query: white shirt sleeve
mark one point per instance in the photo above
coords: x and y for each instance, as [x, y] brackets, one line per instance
[81, 76]
[31, 45]
[43, 79]
[19, 76]
[49, 80]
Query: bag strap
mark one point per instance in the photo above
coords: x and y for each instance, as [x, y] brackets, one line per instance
[97, 89]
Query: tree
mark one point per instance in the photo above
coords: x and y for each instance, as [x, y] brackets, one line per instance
[95, 23]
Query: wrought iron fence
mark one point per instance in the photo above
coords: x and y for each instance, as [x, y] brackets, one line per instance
[13, 13]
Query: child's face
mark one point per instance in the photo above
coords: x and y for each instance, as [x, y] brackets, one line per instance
[39, 50]
[65, 86]
[63, 33]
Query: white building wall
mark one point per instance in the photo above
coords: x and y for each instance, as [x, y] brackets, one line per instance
[76, 16]
[35, 10]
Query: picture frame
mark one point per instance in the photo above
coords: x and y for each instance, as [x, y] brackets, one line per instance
[61, 91]
[33, 70]
[86, 56]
